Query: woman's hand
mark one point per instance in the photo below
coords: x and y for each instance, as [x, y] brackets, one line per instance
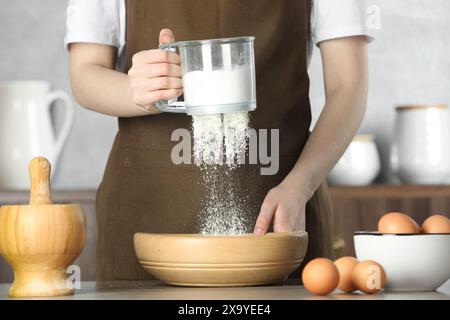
[156, 74]
[284, 206]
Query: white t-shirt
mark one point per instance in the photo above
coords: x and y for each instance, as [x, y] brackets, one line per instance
[103, 21]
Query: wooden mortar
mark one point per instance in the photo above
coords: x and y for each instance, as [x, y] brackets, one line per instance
[41, 240]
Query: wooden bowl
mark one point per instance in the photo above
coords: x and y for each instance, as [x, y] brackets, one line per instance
[218, 261]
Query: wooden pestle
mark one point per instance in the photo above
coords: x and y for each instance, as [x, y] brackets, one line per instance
[39, 169]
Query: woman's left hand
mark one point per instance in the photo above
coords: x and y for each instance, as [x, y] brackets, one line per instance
[284, 206]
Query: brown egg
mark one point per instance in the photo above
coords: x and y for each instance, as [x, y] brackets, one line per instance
[436, 224]
[320, 276]
[369, 276]
[396, 222]
[345, 267]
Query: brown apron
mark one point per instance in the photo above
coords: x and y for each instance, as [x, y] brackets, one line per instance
[143, 191]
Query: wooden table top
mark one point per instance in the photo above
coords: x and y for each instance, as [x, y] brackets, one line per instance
[155, 290]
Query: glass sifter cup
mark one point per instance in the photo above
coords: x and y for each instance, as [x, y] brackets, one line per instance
[218, 76]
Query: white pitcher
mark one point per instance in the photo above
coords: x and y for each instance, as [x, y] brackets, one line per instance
[26, 129]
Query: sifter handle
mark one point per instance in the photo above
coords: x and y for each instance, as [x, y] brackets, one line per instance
[39, 169]
[172, 105]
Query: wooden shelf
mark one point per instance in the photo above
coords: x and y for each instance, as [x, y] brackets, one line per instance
[360, 208]
[392, 191]
[58, 196]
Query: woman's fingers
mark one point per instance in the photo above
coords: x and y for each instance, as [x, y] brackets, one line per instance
[289, 216]
[166, 36]
[156, 74]
[158, 83]
[147, 99]
[266, 214]
[155, 56]
[156, 70]
[283, 221]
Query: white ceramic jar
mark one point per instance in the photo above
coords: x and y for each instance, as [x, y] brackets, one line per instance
[420, 151]
[359, 165]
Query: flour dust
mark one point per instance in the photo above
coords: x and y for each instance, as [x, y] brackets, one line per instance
[220, 144]
[224, 209]
[220, 138]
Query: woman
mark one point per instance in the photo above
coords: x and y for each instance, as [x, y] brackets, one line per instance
[142, 190]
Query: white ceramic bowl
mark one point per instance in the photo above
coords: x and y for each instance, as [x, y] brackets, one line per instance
[413, 262]
[359, 165]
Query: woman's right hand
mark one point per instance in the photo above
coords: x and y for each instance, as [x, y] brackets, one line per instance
[156, 74]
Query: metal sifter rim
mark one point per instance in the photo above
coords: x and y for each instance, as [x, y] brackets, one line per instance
[214, 41]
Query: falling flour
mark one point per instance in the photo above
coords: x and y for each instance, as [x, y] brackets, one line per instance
[223, 207]
[235, 126]
[220, 142]
[220, 138]
[208, 139]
